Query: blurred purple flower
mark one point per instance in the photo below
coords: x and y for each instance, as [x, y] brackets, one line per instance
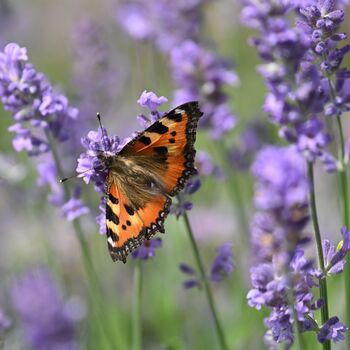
[147, 250]
[335, 257]
[183, 203]
[97, 75]
[332, 330]
[223, 264]
[5, 322]
[194, 280]
[48, 177]
[164, 22]
[41, 308]
[74, 207]
[207, 167]
[282, 183]
[201, 75]
[250, 140]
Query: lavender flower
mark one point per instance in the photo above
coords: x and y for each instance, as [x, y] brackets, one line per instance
[281, 268]
[193, 280]
[198, 73]
[250, 140]
[90, 167]
[223, 264]
[41, 114]
[321, 22]
[147, 250]
[5, 322]
[201, 75]
[151, 101]
[222, 267]
[30, 98]
[74, 207]
[335, 257]
[40, 307]
[332, 330]
[166, 23]
[300, 94]
[96, 75]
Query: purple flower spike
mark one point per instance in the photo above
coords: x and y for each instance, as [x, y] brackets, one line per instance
[147, 250]
[223, 264]
[281, 268]
[41, 309]
[332, 330]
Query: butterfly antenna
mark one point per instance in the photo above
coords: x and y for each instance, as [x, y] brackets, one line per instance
[75, 175]
[103, 131]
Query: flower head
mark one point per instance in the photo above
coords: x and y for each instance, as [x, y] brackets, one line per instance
[333, 329]
[335, 257]
[147, 249]
[151, 101]
[223, 264]
[74, 207]
[200, 75]
[166, 23]
[41, 309]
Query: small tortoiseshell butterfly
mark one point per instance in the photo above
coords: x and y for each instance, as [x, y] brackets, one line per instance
[142, 177]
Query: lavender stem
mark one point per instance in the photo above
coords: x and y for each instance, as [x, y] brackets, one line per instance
[96, 292]
[344, 195]
[136, 317]
[209, 295]
[323, 281]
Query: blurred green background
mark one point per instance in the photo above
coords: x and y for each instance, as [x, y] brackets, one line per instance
[34, 233]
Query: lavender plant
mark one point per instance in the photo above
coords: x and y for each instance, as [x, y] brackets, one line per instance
[46, 321]
[301, 64]
[198, 73]
[97, 76]
[42, 118]
[283, 278]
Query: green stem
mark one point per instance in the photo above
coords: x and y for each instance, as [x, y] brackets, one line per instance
[200, 266]
[299, 342]
[137, 312]
[344, 196]
[323, 281]
[96, 290]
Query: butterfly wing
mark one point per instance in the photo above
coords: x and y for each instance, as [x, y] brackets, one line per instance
[127, 226]
[169, 144]
[158, 163]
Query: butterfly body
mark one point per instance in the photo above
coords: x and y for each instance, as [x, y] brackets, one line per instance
[143, 177]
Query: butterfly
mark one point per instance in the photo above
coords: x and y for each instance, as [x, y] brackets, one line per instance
[149, 170]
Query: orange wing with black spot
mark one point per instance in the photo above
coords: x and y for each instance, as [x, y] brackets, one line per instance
[127, 227]
[171, 139]
[165, 151]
